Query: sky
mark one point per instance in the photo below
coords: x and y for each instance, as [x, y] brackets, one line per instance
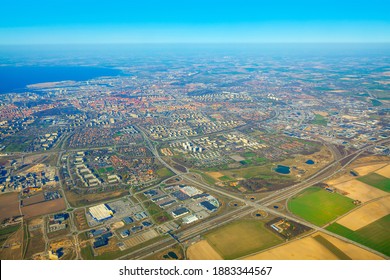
[193, 21]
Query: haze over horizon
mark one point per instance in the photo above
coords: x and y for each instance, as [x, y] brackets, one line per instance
[90, 22]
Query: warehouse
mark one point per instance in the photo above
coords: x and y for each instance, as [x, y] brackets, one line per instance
[101, 212]
[180, 212]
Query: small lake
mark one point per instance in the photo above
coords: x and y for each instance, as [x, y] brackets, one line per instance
[282, 169]
[309, 162]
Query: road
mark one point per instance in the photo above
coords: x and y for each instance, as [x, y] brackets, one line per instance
[333, 168]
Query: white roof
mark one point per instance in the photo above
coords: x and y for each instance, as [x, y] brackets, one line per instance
[100, 212]
[189, 219]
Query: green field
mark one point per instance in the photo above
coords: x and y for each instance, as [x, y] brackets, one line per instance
[164, 172]
[105, 170]
[375, 235]
[225, 178]
[319, 120]
[377, 181]
[6, 232]
[241, 238]
[264, 171]
[319, 206]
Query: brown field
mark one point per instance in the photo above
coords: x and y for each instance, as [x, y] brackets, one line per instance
[36, 243]
[43, 208]
[341, 179]
[9, 205]
[366, 214]
[38, 168]
[34, 199]
[309, 248]
[215, 175]
[31, 159]
[359, 190]
[364, 170]
[372, 159]
[80, 220]
[78, 200]
[322, 113]
[385, 171]
[202, 250]
[14, 251]
[117, 225]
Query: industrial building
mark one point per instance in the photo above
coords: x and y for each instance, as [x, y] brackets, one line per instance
[101, 212]
[190, 219]
[180, 212]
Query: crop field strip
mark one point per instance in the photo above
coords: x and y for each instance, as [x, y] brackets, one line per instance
[375, 235]
[377, 181]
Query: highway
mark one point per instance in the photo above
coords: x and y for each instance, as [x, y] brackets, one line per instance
[333, 168]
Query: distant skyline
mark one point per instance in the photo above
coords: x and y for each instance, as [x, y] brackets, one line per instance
[150, 21]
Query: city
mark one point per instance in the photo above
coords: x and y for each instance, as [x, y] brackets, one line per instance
[285, 157]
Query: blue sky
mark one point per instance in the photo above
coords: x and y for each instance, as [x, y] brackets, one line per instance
[188, 21]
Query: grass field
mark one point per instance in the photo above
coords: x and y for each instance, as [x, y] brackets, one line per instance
[319, 206]
[6, 232]
[241, 238]
[164, 172]
[377, 181]
[251, 172]
[319, 120]
[375, 235]
[105, 170]
[225, 178]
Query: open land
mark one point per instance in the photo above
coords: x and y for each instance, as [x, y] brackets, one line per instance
[366, 214]
[355, 189]
[241, 238]
[374, 235]
[9, 205]
[319, 206]
[43, 208]
[202, 250]
[314, 248]
[385, 171]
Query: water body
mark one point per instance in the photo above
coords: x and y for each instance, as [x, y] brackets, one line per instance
[309, 162]
[282, 169]
[16, 78]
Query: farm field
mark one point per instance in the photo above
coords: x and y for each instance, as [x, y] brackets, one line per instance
[355, 189]
[241, 238]
[319, 206]
[385, 171]
[375, 235]
[315, 247]
[9, 205]
[202, 251]
[366, 214]
[364, 170]
[43, 208]
[377, 181]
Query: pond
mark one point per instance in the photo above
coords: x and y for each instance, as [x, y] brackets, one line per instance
[309, 162]
[282, 169]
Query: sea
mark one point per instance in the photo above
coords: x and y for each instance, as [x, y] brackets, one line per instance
[17, 78]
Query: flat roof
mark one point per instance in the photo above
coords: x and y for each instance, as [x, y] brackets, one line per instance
[101, 212]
